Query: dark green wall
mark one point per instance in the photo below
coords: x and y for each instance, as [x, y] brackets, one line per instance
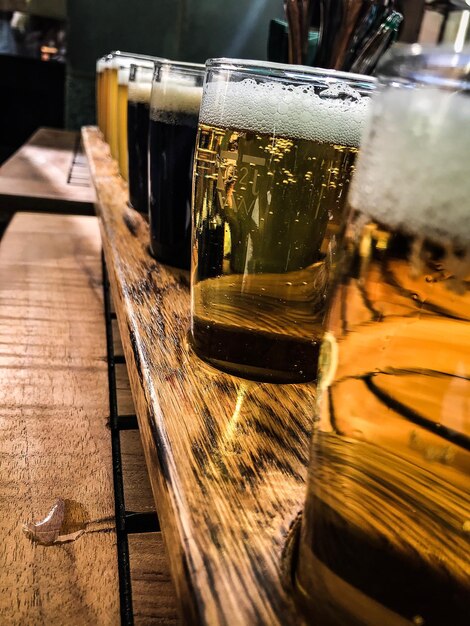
[185, 30]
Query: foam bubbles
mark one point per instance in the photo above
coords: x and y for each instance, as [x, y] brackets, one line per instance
[139, 91]
[172, 98]
[123, 76]
[334, 115]
[412, 171]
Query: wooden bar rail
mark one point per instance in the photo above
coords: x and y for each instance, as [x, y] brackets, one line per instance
[227, 457]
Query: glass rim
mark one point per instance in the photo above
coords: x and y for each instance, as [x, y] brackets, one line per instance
[135, 69]
[426, 65]
[133, 55]
[125, 59]
[288, 71]
[184, 67]
[180, 64]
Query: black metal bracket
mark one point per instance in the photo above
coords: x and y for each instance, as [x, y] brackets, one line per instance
[127, 522]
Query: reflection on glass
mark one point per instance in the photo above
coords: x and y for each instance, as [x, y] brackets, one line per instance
[385, 535]
[275, 152]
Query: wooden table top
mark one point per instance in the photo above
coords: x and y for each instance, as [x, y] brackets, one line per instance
[227, 458]
[49, 173]
[55, 440]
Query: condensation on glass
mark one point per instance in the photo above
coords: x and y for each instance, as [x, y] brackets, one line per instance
[386, 528]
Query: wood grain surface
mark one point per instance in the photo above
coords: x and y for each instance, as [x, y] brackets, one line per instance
[137, 490]
[118, 350]
[125, 403]
[227, 457]
[153, 595]
[48, 173]
[54, 439]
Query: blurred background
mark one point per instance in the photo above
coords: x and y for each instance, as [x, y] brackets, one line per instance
[49, 48]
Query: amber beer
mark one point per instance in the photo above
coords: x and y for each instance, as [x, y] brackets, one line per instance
[123, 82]
[273, 164]
[386, 530]
[118, 61]
[100, 73]
[103, 82]
[112, 105]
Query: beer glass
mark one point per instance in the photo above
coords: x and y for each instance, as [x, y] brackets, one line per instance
[138, 114]
[174, 110]
[100, 68]
[118, 60]
[275, 151]
[386, 528]
[103, 94]
[112, 103]
[123, 82]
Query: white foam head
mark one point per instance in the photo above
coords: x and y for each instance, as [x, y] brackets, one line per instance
[123, 76]
[294, 111]
[170, 99]
[412, 172]
[139, 91]
[100, 65]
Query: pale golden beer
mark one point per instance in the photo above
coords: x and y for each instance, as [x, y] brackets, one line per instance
[386, 529]
[267, 211]
[103, 97]
[112, 106]
[119, 60]
[100, 67]
[123, 82]
[245, 182]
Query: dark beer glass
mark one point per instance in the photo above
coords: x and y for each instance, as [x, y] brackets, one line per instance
[138, 116]
[174, 111]
[275, 151]
[386, 529]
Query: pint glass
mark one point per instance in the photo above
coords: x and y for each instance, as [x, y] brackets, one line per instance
[112, 104]
[386, 528]
[275, 152]
[103, 94]
[118, 60]
[138, 115]
[123, 83]
[99, 87]
[174, 110]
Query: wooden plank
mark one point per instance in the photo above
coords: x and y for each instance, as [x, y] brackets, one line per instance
[117, 343]
[54, 439]
[42, 175]
[125, 402]
[153, 595]
[227, 458]
[137, 490]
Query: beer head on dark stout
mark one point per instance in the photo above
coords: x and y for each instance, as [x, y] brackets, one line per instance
[174, 111]
[275, 153]
[385, 532]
